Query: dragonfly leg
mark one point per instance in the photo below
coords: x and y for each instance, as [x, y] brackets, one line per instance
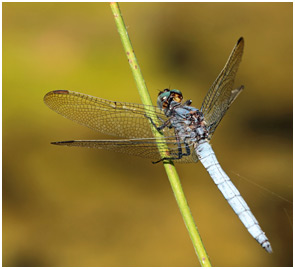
[180, 153]
[159, 128]
[188, 150]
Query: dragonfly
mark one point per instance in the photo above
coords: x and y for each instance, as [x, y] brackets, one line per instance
[185, 130]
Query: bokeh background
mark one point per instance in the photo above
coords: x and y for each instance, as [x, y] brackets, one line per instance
[82, 207]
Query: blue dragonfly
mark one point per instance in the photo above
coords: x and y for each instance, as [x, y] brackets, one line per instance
[186, 130]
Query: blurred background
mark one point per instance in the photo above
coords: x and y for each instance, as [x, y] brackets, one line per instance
[82, 207]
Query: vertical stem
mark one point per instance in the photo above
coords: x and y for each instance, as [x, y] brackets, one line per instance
[169, 166]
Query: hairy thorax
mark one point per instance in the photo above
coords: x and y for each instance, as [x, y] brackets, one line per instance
[189, 123]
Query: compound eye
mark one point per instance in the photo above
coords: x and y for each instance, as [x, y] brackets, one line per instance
[165, 90]
[177, 97]
[164, 102]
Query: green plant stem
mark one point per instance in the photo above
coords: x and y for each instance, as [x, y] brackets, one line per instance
[169, 166]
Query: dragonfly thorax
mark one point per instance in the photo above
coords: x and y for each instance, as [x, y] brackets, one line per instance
[188, 123]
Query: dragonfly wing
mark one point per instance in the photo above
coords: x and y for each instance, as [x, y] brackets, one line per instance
[114, 118]
[146, 148]
[221, 94]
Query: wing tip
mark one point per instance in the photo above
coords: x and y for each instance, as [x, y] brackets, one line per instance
[241, 39]
[62, 142]
[61, 92]
[47, 95]
[241, 88]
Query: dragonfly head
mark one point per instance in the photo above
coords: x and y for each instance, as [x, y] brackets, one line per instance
[166, 96]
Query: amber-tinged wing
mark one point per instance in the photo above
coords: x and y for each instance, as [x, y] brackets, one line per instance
[221, 94]
[145, 148]
[126, 120]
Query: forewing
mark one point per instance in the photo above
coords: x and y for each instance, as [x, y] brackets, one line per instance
[221, 94]
[126, 120]
[145, 148]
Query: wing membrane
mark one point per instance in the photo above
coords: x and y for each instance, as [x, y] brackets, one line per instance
[126, 120]
[145, 148]
[221, 94]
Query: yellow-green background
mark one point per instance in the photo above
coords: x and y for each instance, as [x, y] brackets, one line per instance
[82, 207]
